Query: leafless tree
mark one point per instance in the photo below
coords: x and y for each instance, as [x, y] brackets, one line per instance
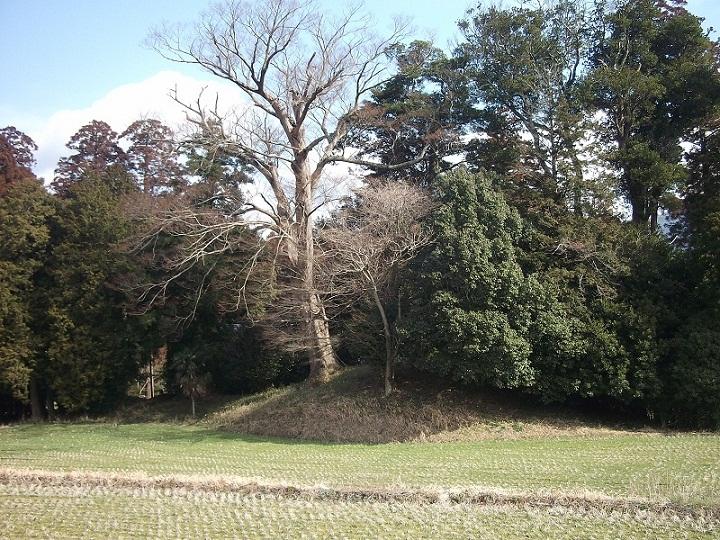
[304, 76]
[181, 237]
[366, 246]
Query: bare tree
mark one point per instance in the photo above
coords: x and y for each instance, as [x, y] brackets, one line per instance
[366, 246]
[304, 75]
[180, 238]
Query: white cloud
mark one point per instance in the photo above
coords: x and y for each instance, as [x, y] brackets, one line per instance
[150, 98]
[119, 108]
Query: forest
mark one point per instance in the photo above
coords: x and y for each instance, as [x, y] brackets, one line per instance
[536, 210]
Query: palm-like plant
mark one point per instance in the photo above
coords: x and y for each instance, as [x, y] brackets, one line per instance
[190, 377]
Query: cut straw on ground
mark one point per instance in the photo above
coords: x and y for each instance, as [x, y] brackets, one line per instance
[183, 485]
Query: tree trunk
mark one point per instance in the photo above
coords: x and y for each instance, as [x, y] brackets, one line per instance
[389, 347]
[654, 209]
[49, 406]
[151, 379]
[638, 215]
[578, 181]
[192, 404]
[640, 206]
[323, 362]
[389, 369]
[36, 407]
[316, 333]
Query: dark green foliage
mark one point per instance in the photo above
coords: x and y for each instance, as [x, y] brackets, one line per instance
[655, 76]
[250, 365]
[469, 317]
[417, 115]
[701, 224]
[93, 347]
[190, 376]
[680, 300]
[692, 375]
[563, 330]
[592, 348]
[525, 67]
[202, 313]
[690, 296]
[359, 330]
[588, 339]
[25, 212]
[219, 173]
[64, 325]
[230, 351]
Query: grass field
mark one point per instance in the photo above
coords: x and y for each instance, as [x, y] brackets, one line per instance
[680, 468]
[51, 513]
[653, 468]
[469, 466]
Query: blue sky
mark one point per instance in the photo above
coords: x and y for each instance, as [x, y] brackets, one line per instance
[66, 62]
[66, 53]
[59, 54]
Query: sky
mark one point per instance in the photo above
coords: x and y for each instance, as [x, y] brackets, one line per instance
[67, 62]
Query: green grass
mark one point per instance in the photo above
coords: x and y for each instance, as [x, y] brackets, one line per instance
[678, 468]
[553, 474]
[35, 512]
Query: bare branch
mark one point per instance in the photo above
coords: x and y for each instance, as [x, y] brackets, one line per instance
[304, 76]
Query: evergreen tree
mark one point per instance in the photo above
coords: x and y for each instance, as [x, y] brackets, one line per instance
[487, 310]
[152, 157]
[526, 68]
[691, 364]
[655, 78]
[469, 317]
[25, 214]
[16, 157]
[416, 117]
[93, 347]
[96, 150]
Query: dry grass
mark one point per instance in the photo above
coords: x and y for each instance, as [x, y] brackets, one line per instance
[470, 466]
[351, 408]
[76, 512]
[191, 481]
[579, 501]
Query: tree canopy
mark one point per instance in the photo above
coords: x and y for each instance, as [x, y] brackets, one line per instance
[536, 210]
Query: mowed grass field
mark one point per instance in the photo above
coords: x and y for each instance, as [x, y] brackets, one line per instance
[677, 468]
[72, 513]
[674, 481]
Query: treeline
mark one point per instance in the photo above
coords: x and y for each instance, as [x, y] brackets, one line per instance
[542, 214]
[74, 333]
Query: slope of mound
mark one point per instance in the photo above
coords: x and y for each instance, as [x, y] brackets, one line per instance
[351, 408]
